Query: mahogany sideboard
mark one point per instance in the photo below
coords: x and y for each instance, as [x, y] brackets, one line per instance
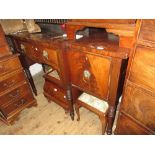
[62, 54]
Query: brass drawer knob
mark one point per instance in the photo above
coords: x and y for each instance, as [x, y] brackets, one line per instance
[86, 74]
[22, 47]
[55, 89]
[45, 54]
[36, 49]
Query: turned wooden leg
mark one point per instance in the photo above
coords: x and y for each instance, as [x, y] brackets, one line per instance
[103, 123]
[70, 102]
[29, 76]
[77, 111]
[110, 119]
[72, 115]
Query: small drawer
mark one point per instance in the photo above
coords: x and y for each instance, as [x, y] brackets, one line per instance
[90, 72]
[15, 94]
[49, 56]
[40, 54]
[11, 80]
[30, 50]
[16, 106]
[9, 65]
[55, 91]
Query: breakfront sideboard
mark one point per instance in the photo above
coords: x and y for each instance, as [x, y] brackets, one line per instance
[94, 65]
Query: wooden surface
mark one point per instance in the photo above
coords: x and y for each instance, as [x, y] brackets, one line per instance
[122, 28]
[137, 112]
[4, 48]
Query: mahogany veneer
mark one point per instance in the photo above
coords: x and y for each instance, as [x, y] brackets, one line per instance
[49, 49]
[97, 67]
[137, 112]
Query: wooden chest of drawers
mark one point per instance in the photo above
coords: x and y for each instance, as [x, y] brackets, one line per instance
[137, 112]
[15, 93]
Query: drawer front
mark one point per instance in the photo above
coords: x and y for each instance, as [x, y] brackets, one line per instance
[143, 68]
[30, 50]
[49, 56]
[140, 105]
[11, 80]
[16, 106]
[15, 94]
[40, 53]
[9, 65]
[126, 126]
[55, 91]
[147, 32]
[90, 72]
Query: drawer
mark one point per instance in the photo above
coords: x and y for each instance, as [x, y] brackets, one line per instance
[142, 70]
[30, 50]
[55, 91]
[11, 80]
[147, 32]
[140, 104]
[49, 56]
[40, 53]
[15, 94]
[9, 65]
[90, 72]
[127, 126]
[16, 106]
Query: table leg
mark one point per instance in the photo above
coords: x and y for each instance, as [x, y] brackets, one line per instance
[110, 119]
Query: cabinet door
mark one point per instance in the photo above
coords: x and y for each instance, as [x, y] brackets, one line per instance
[90, 72]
